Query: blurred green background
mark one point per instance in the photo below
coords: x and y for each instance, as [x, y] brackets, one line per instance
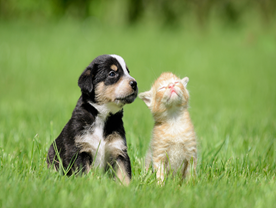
[134, 11]
[228, 50]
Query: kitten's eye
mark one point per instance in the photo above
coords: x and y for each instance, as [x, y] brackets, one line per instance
[112, 74]
[161, 88]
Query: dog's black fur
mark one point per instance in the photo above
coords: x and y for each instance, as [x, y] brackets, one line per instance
[69, 145]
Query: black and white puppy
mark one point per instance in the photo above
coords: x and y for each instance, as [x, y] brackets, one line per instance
[95, 133]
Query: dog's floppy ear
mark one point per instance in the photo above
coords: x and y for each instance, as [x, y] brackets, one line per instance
[85, 80]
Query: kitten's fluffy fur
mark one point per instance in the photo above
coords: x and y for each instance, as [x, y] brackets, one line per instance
[174, 140]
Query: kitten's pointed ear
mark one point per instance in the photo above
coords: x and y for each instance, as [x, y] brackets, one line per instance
[146, 97]
[185, 81]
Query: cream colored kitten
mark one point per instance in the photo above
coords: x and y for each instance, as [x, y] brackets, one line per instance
[174, 140]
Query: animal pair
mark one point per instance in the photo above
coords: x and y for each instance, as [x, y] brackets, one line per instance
[95, 135]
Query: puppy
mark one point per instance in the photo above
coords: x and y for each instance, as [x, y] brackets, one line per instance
[95, 135]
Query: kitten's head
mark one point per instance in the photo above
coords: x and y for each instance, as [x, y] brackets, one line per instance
[167, 93]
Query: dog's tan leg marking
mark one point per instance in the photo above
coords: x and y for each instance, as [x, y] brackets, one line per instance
[121, 173]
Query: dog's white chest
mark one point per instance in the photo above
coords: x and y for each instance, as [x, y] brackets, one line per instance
[98, 144]
[93, 142]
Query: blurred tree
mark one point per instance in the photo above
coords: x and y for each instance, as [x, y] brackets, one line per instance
[267, 9]
[231, 10]
[203, 9]
[132, 11]
[135, 10]
[171, 11]
[4, 8]
[75, 8]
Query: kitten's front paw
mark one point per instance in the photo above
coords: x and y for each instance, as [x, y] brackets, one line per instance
[160, 177]
[161, 182]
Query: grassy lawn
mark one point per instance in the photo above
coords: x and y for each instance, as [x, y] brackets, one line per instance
[233, 107]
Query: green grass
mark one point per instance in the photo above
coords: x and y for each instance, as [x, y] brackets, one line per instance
[233, 97]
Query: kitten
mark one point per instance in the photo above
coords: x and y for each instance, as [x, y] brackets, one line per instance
[174, 140]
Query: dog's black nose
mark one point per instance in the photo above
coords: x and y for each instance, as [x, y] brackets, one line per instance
[133, 84]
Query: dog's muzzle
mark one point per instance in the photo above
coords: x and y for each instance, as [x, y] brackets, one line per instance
[131, 97]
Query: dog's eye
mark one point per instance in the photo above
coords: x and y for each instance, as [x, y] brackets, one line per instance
[112, 74]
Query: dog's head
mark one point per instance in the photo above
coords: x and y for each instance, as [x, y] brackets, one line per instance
[106, 81]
